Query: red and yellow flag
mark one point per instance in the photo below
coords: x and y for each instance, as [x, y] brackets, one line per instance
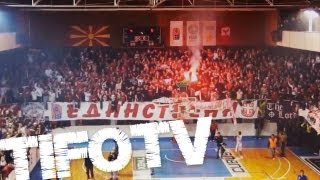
[89, 35]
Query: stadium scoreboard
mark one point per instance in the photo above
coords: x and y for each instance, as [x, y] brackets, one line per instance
[142, 36]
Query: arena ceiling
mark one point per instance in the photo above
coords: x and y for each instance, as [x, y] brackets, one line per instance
[158, 4]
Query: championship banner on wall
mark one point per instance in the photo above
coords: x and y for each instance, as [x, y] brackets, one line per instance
[193, 33]
[176, 33]
[224, 109]
[280, 110]
[89, 35]
[208, 33]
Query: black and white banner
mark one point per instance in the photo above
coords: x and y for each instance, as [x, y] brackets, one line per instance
[280, 110]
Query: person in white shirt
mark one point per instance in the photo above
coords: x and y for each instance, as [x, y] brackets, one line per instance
[48, 72]
[58, 91]
[34, 95]
[239, 144]
[59, 77]
[52, 96]
[140, 81]
[87, 96]
[215, 55]
[167, 81]
[118, 85]
[39, 91]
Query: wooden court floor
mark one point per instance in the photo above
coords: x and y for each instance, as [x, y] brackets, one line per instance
[261, 166]
[78, 171]
[257, 161]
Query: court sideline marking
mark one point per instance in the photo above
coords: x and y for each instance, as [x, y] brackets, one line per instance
[279, 167]
[165, 156]
[304, 161]
[289, 168]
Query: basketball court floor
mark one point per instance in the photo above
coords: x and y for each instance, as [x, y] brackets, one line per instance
[256, 163]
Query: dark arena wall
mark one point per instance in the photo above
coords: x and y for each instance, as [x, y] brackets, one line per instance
[248, 28]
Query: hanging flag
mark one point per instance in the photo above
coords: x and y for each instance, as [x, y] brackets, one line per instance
[209, 33]
[193, 33]
[89, 35]
[176, 33]
[226, 31]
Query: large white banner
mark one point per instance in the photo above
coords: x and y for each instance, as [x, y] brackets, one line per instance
[312, 116]
[209, 33]
[176, 33]
[193, 33]
[8, 41]
[224, 109]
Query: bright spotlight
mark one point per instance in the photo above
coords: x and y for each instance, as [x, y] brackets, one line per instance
[310, 14]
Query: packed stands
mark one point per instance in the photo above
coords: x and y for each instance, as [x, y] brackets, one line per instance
[143, 75]
[137, 75]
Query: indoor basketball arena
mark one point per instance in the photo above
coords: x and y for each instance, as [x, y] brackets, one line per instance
[160, 89]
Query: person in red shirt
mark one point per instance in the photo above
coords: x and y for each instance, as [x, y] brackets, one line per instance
[7, 170]
[213, 129]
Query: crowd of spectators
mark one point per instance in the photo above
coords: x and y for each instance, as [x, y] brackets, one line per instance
[94, 74]
[14, 126]
[145, 75]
